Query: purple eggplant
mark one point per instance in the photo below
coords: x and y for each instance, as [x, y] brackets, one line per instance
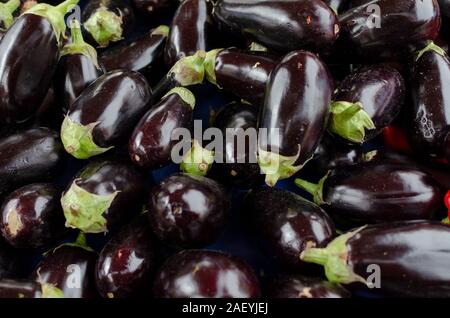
[7, 10]
[105, 113]
[28, 289]
[153, 8]
[295, 114]
[338, 5]
[445, 8]
[104, 194]
[10, 265]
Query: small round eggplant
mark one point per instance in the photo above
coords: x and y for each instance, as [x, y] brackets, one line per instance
[127, 263]
[244, 73]
[295, 114]
[6, 13]
[105, 113]
[107, 21]
[369, 98]
[70, 268]
[153, 8]
[281, 25]
[201, 274]
[34, 155]
[10, 266]
[32, 216]
[304, 287]
[104, 195]
[287, 224]
[188, 211]
[190, 31]
[27, 289]
[412, 258]
[151, 143]
[376, 192]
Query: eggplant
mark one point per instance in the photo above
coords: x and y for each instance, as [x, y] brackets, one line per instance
[298, 286]
[287, 224]
[188, 211]
[368, 35]
[295, 114]
[445, 8]
[191, 30]
[337, 5]
[127, 263]
[150, 145]
[32, 216]
[376, 192]
[412, 259]
[30, 52]
[7, 10]
[10, 265]
[368, 99]
[69, 267]
[104, 195]
[34, 155]
[105, 113]
[107, 21]
[205, 274]
[77, 69]
[10, 288]
[153, 8]
[306, 24]
[244, 73]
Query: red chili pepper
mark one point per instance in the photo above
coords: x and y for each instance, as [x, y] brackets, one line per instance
[395, 138]
[447, 204]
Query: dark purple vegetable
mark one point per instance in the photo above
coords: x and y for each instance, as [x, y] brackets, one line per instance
[32, 216]
[34, 155]
[202, 274]
[337, 5]
[376, 192]
[412, 259]
[27, 289]
[153, 8]
[244, 73]
[295, 114]
[188, 211]
[445, 8]
[287, 224]
[281, 25]
[7, 10]
[151, 143]
[369, 98]
[10, 266]
[127, 263]
[105, 113]
[103, 195]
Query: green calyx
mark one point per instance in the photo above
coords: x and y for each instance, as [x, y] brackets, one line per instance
[84, 210]
[78, 140]
[80, 243]
[6, 12]
[256, 47]
[446, 221]
[161, 30]
[350, 121]
[334, 259]
[50, 291]
[55, 15]
[316, 190]
[198, 160]
[210, 65]
[185, 94]
[78, 45]
[104, 26]
[189, 70]
[430, 47]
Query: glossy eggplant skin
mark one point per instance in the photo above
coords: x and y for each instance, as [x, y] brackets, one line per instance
[190, 31]
[30, 53]
[297, 286]
[10, 288]
[307, 24]
[420, 21]
[34, 155]
[202, 274]
[287, 224]
[32, 217]
[69, 268]
[153, 7]
[9, 261]
[127, 263]
[188, 211]
[338, 5]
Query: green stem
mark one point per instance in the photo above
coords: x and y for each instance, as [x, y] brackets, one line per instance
[315, 255]
[316, 190]
[161, 30]
[210, 65]
[66, 6]
[189, 70]
[104, 26]
[78, 45]
[430, 47]
[6, 12]
[198, 160]
[185, 94]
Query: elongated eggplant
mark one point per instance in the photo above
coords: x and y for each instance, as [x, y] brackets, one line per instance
[188, 211]
[7, 10]
[107, 21]
[368, 99]
[34, 155]
[71, 268]
[202, 274]
[151, 143]
[287, 224]
[30, 52]
[303, 287]
[153, 8]
[306, 24]
[105, 113]
[295, 114]
[32, 217]
[104, 194]
[376, 192]
[127, 263]
[10, 266]
[190, 31]
[27, 289]
[411, 258]
[244, 73]
[374, 31]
